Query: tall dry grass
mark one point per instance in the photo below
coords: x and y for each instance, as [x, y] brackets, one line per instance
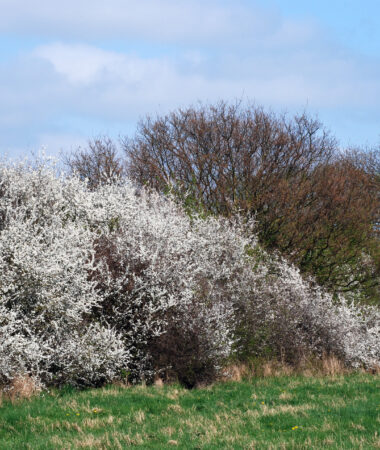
[327, 365]
[22, 387]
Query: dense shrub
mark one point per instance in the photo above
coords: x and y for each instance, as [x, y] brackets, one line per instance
[101, 282]
[45, 258]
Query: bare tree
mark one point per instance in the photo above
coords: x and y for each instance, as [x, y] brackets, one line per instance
[99, 162]
[229, 156]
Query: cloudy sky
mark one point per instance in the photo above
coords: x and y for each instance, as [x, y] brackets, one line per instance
[77, 69]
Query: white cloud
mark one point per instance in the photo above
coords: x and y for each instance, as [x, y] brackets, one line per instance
[124, 80]
[74, 86]
[84, 64]
[163, 20]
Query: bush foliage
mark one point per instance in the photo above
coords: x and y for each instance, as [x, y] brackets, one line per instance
[102, 282]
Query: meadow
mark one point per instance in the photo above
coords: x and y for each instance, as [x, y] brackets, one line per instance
[295, 412]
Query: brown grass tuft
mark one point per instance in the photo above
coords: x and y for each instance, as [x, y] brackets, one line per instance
[285, 396]
[235, 372]
[139, 416]
[89, 441]
[332, 366]
[177, 408]
[275, 368]
[158, 382]
[23, 387]
[285, 409]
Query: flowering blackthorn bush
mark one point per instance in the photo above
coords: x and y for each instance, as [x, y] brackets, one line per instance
[95, 283]
[46, 298]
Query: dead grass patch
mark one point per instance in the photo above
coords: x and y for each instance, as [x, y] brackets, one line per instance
[168, 431]
[56, 441]
[329, 440]
[207, 429]
[252, 413]
[90, 441]
[274, 368]
[139, 416]
[177, 408]
[93, 424]
[285, 396]
[285, 409]
[358, 441]
[376, 441]
[136, 440]
[357, 426]
[327, 426]
[336, 402]
[110, 392]
[72, 405]
[174, 394]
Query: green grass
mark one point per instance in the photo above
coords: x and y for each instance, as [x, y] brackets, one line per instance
[283, 412]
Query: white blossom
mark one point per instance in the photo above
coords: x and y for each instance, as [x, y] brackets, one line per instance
[91, 280]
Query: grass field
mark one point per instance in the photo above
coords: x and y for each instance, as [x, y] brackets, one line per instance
[275, 412]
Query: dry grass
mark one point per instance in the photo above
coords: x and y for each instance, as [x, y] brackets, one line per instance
[274, 368]
[139, 416]
[158, 382]
[328, 365]
[89, 441]
[235, 372]
[177, 408]
[291, 410]
[22, 387]
[332, 366]
[285, 396]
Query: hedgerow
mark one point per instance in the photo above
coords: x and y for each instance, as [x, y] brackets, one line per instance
[98, 284]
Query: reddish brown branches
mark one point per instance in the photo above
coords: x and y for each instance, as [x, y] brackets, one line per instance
[318, 207]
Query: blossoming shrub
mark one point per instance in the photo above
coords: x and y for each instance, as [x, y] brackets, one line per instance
[289, 317]
[167, 282]
[99, 283]
[45, 295]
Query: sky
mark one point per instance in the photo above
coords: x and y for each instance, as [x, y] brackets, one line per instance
[74, 70]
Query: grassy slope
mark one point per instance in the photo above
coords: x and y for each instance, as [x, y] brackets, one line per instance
[340, 412]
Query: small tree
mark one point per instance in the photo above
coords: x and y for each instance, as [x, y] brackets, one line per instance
[98, 163]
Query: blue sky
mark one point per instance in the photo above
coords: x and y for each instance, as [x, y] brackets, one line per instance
[74, 70]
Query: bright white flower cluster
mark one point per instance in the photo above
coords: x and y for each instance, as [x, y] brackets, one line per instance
[95, 283]
[46, 254]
